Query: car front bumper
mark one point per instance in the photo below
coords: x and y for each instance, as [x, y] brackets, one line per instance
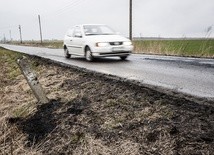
[112, 51]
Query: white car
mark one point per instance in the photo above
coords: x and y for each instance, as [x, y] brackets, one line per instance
[93, 41]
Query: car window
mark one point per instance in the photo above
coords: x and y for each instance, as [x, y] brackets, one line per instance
[106, 30]
[97, 30]
[77, 32]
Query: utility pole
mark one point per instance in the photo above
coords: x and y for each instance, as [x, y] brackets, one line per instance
[10, 35]
[130, 19]
[40, 28]
[20, 31]
[4, 39]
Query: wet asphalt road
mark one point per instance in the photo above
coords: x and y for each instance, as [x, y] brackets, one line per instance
[187, 75]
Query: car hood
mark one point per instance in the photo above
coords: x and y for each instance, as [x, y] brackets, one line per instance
[106, 38]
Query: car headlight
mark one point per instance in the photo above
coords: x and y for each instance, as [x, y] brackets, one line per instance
[102, 44]
[127, 43]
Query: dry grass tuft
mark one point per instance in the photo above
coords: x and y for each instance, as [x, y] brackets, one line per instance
[91, 145]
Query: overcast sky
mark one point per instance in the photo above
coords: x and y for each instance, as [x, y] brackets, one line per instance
[151, 18]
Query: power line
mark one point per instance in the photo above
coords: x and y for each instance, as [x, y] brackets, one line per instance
[69, 6]
[73, 7]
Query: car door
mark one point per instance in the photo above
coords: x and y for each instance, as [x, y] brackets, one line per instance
[68, 40]
[76, 42]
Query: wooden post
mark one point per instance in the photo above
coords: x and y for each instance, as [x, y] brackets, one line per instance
[20, 32]
[32, 80]
[40, 28]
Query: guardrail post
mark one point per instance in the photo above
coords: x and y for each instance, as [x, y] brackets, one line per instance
[32, 80]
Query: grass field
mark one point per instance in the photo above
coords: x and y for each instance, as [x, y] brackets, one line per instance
[46, 43]
[196, 48]
[180, 47]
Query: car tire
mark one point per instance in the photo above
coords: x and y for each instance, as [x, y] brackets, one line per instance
[123, 57]
[66, 52]
[88, 55]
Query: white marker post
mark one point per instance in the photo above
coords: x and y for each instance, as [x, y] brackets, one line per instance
[32, 80]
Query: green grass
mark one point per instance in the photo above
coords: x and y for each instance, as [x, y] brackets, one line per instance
[197, 48]
[46, 43]
[8, 59]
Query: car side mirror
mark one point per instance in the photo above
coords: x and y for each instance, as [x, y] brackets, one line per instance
[78, 35]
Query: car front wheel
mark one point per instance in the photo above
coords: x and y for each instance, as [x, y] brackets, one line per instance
[88, 55]
[66, 53]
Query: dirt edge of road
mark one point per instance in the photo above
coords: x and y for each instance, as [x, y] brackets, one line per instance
[159, 89]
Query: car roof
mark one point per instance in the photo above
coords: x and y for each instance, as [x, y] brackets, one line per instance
[87, 24]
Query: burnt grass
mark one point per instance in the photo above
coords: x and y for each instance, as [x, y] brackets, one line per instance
[114, 111]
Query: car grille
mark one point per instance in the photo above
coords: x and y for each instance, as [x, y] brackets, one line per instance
[115, 43]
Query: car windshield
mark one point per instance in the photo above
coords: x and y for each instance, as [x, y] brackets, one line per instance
[97, 30]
